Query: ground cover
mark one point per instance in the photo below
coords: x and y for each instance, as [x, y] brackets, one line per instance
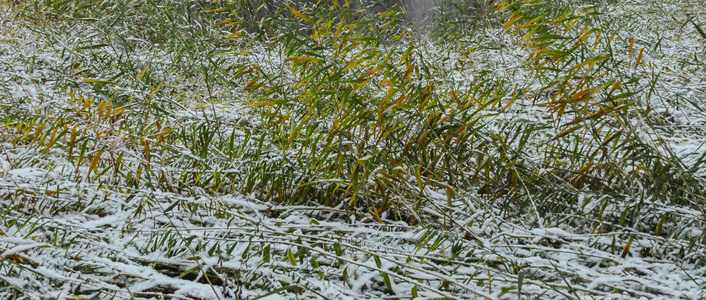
[297, 149]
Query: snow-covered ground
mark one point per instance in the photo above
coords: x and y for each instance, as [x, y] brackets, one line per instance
[95, 205]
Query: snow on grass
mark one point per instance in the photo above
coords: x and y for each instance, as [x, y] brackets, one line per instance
[123, 171]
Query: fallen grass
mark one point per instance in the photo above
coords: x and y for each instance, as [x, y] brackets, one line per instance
[200, 149]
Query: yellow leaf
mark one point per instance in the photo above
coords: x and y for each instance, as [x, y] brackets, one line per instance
[117, 111]
[639, 57]
[268, 102]
[627, 248]
[154, 90]
[298, 14]
[565, 132]
[226, 21]
[95, 80]
[146, 145]
[585, 36]
[165, 131]
[142, 73]
[302, 59]
[95, 160]
[615, 87]
[236, 36]
[290, 258]
[351, 65]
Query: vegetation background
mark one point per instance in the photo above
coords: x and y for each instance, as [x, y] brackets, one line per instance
[324, 149]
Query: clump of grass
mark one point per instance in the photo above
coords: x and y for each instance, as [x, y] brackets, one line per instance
[594, 97]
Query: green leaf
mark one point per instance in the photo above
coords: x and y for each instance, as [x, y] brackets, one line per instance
[96, 46]
[266, 254]
[388, 282]
[314, 263]
[290, 257]
[699, 29]
[520, 279]
[172, 206]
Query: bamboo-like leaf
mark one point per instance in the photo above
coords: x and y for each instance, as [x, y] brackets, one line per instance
[520, 279]
[266, 254]
[290, 257]
[639, 58]
[567, 131]
[387, 281]
[699, 29]
[589, 61]
[658, 231]
[615, 86]
[627, 247]
[95, 80]
[303, 59]
[314, 263]
[269, 102]
[165, 131]
[298, 14]
[96, 46]
[142, 73]
[146, 150]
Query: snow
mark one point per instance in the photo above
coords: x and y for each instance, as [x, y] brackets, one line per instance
[83, 232]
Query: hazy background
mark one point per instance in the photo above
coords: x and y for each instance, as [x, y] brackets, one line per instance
[417, 10]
